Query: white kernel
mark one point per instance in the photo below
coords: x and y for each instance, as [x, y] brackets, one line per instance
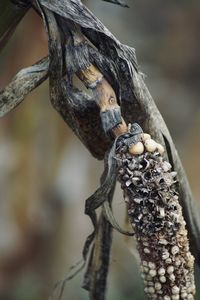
[150, 145]
[161, 271]
[146, 250]
[158, 286]
[172, 277]
[170, 269]
[145, 136]
[152, 265]
[163, 241]
[175, 297]
[190, 289]
[168, 260]
[177, 262]
[162, 279]
[160, 149]
[151, 290]
[183, 295]
[193, 288]
[144, 243]
[136, 148]
[152, 273]
[175, 289]
[162, 212]
[166, 297]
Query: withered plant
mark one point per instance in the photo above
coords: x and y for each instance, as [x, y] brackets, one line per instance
[159, 203]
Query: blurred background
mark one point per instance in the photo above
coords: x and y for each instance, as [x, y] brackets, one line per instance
[46, 173]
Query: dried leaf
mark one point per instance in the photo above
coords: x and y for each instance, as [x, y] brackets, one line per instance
[23, 83]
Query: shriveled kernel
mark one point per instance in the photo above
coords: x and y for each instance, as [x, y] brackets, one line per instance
[165, 255]
[150, 145]
[190, 261]
[166, 166]
[163, 241]
[174, 250]
[184, 232]
[136, 149]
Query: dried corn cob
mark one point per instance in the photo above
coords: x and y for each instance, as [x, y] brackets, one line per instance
[155, 214]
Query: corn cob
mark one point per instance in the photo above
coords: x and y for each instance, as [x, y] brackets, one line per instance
[150, 193]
